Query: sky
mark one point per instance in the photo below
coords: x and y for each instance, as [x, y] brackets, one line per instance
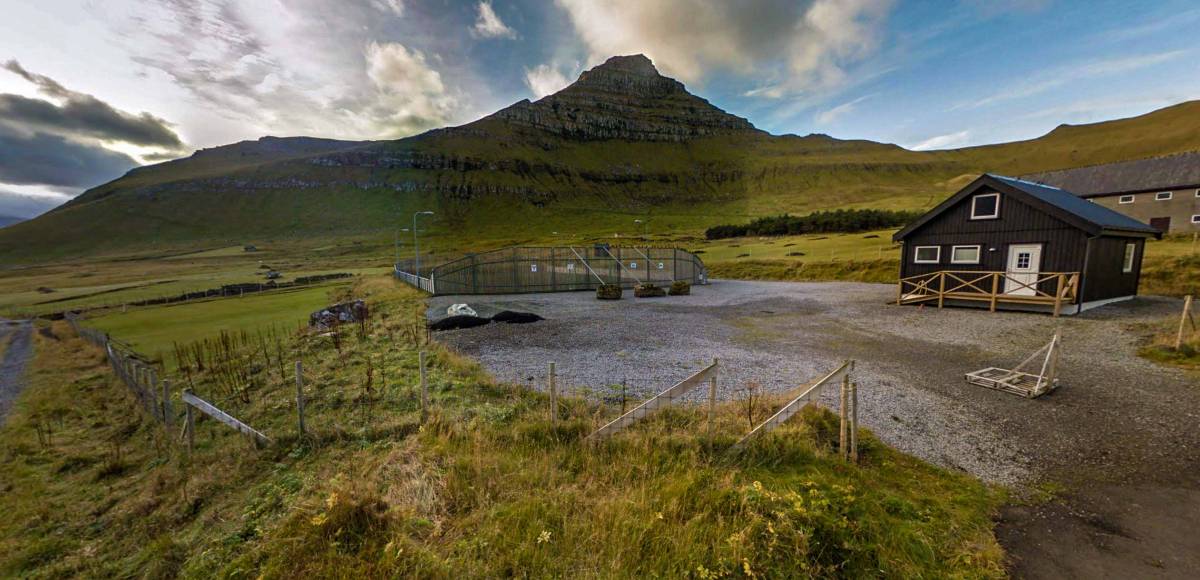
[92, 88]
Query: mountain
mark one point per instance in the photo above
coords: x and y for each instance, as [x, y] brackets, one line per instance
[622, 142]
[8, 220]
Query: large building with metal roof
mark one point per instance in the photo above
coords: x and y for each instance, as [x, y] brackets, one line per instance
[1161, 191]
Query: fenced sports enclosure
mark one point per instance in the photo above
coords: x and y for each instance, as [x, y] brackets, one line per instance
[525, 269]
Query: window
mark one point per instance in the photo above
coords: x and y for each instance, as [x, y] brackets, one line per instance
[986, 206]
[1023, 260]
[964, 255]
[1125, 199]
[1198, 193]
[927, 254]
[1162, 196]
[1129, 251]
[1196, 219]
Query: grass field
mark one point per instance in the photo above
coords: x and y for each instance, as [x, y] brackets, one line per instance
[488, 487]
[114, 281]
[154, 330]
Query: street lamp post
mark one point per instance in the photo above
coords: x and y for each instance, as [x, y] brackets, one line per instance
[416, 243]
[398, 230]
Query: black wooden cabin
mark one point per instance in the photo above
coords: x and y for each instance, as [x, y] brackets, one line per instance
[1005, 243]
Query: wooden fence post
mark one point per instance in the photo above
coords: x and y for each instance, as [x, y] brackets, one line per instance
[166, 403]
[842, 414]
[553, 396]
[995, 290]
[1058, 294]
[191, 423]
[424, 389]
[1183, 319]
[941, 288]
[300, 397]
[712, 397]
[854, 422]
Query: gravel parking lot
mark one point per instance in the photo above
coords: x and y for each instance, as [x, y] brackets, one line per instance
[1120, 426]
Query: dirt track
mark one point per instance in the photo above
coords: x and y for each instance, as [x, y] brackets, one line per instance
[19, 335]
[1121, 435]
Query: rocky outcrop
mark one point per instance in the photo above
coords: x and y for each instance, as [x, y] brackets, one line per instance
[624, 98]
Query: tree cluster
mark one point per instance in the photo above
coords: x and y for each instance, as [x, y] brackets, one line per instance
[840, 221]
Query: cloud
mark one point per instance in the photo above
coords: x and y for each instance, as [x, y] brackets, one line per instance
[394, 7]
[767, 92]
[948, 141]
[545, 80]
[302, 67]
[488, 25]
[828, 116]
[412, 96]
[28, 205]
[804, 45]
[1064, 76]
[82, 115]
[52, 160]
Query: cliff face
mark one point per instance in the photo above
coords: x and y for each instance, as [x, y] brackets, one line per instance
[624, 98]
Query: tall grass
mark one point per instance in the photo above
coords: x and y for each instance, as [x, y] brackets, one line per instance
[487, 487]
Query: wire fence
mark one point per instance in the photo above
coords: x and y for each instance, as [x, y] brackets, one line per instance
[524, 269]
[134, 370]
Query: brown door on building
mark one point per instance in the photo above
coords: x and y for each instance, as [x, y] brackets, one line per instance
[1161, 224]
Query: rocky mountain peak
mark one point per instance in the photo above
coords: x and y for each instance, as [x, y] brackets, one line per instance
[624, 98]
[634, 65]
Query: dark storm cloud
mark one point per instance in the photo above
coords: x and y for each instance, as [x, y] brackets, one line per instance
[82, 115]
[27, 206]
[52, 160]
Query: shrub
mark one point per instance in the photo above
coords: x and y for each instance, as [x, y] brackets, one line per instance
[680, 288]
[842, 220]
[646, 290]
[608, 292]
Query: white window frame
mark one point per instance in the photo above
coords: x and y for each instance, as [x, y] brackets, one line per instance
[1125, 199]
[1196, 219]
[985, 217]
[1130, 257]
[1159, 196]
[1198, 193]
[978, 254]
[917, 253]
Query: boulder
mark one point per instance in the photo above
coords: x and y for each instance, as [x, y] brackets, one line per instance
[343, 313]
[680, 288]
[608, 292]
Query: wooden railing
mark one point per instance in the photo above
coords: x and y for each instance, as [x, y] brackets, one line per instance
[991, 287]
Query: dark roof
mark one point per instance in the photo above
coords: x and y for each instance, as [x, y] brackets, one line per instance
[1170, 172]
[1081, 213]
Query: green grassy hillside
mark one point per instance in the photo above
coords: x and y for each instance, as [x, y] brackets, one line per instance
[563, 164]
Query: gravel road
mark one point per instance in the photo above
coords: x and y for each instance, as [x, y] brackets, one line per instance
[1119, 426]
[910, 365]
[19, 335]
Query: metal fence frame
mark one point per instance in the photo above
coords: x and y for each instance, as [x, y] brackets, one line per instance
[525, 269]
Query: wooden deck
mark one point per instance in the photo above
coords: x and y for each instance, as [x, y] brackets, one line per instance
[990, 287]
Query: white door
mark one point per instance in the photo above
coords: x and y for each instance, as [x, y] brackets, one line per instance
[1024, 263]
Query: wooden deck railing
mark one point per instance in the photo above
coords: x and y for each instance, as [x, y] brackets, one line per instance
[991, 287]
